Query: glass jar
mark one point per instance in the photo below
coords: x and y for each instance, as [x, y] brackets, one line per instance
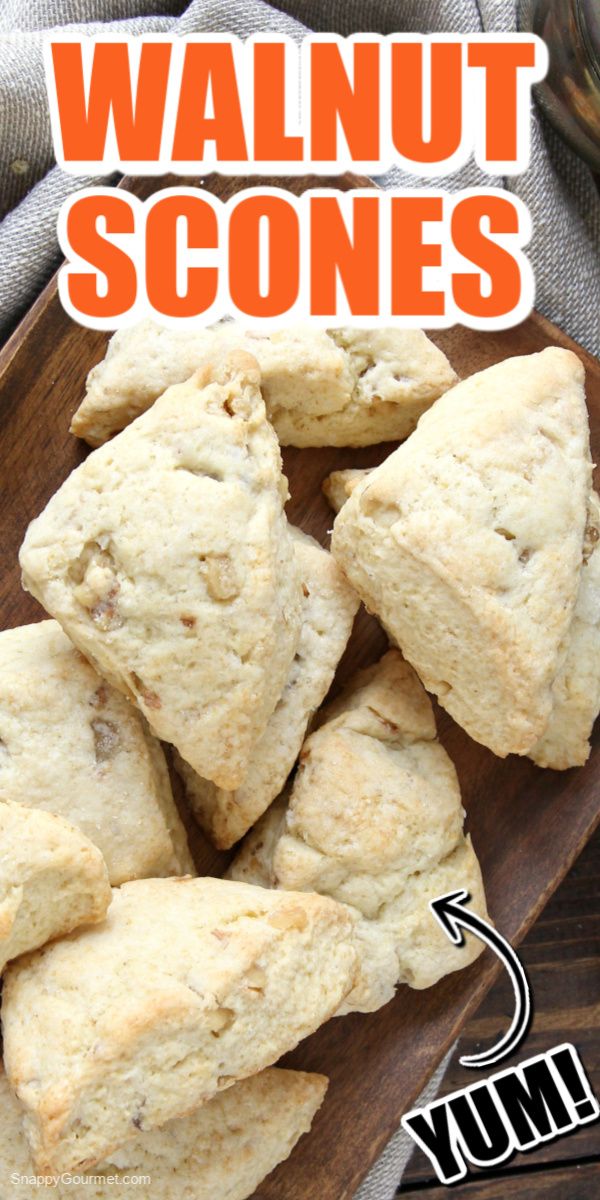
[570, 93]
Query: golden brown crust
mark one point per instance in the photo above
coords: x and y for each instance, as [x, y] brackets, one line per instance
[188, 986]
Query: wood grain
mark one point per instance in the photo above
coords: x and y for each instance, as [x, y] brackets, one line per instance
[528, 825]
[573, 1181]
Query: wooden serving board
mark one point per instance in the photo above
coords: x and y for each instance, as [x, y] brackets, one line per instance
[528, 825]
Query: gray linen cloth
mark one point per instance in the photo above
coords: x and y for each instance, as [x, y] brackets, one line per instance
[558, 188]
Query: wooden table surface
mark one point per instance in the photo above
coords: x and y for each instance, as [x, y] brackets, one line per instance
[562, 956]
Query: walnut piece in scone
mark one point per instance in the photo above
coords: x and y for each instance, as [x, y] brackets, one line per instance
[467, 543]
[328, 609]
[342, 387]
[188, 986]
[374, 819]
[167, 558]
[71, 744]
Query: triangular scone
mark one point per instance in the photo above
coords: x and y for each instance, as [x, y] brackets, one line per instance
[374, 819]
[52, 879]
[145, 359]
[467, 543]
[576, 692]
[393, 376]
[338, 486]
[222, 1151]
[188, 986]
[345, 387]
[329, 607]
[167, 559]
[73, 745]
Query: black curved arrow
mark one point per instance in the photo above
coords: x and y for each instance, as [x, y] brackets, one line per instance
[453, 918]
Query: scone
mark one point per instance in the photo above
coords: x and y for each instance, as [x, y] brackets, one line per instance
[338, 486]
[329, 607]
[222, 1151]
[374, 819]
[576, 692]
[52, 879]
[393, 377]
[166, 557]
[467, 542]
[298, 365]
[188, 986]
[71, 744]
[344, 387]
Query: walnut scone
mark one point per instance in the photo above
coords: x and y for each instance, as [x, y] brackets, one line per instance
[374, 819]
[338, 486]
[576, 692]
[342, 387]
[467, 542]
[52, 879]
[329, 608]
[166, 557]
[71, 744]
[297, 365]
[188, 986]
[221, 1151]
[393, 376]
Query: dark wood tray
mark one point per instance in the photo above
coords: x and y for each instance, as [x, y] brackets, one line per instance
[528, 825]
